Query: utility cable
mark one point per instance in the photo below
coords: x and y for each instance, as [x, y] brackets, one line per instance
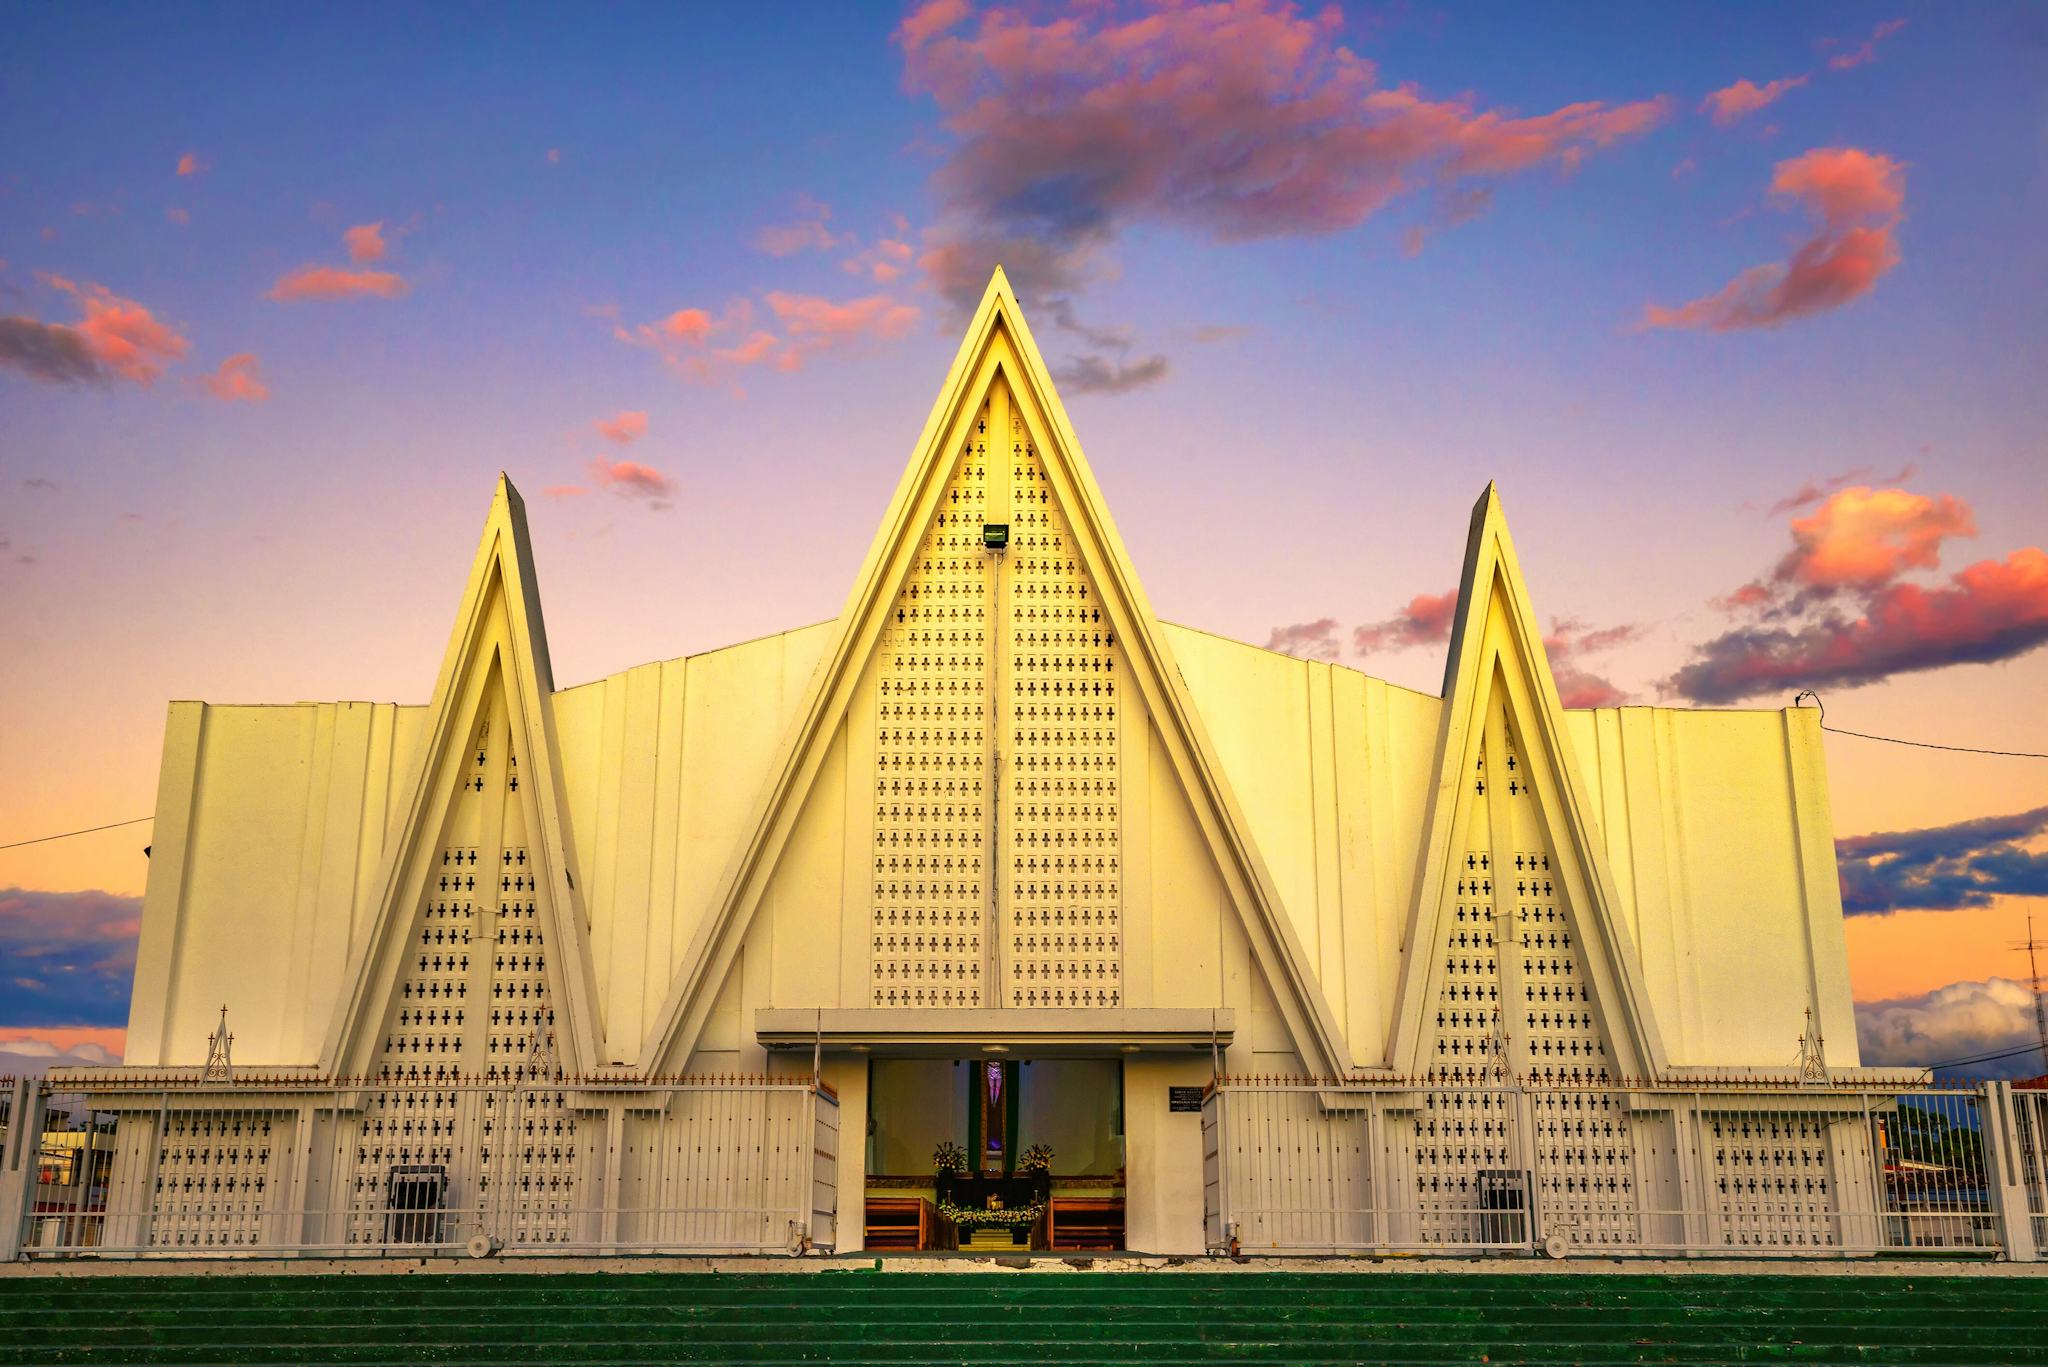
[1917, 744]
[66, 835]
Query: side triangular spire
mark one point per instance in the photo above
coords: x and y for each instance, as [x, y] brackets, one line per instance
[1513, 890]
[482, 864]
[998, 368]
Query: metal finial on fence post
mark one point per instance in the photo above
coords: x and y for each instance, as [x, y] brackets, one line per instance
[1813, 1060]
[220, 1063]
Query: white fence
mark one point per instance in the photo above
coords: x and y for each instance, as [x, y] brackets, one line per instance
[1300, 1166]
[690, 1165]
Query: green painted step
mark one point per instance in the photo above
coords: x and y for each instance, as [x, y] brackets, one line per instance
[1128, 1319]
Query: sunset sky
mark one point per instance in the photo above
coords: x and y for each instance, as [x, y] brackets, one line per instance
[1744, 307]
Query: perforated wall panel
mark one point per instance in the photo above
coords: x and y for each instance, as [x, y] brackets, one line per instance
[932, 760]
[1063, 893]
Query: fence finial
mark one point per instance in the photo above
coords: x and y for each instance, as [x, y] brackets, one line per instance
[1813, 1059]
[220, 1063]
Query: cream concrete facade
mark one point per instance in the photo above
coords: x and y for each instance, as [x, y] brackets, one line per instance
[996, 804]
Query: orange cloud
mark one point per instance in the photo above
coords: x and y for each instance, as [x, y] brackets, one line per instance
[1837, 609]
[1858, 197]
[625, 428]
[1866, 51]
[190, 165]
[334, 282]
[64, 1039]
[365, 242]
[630, 479]
[1863, 537]
[1731, 104]
[237, 381]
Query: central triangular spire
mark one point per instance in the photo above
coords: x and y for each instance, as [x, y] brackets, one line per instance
[1004, 637]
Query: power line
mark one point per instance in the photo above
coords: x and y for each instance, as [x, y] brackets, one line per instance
[1930, 745]
[1821, 707]
[1985, 1058]
[66, 835]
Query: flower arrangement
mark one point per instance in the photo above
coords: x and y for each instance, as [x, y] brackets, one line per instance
[1009, 1217]
[1037, 1158]
[949, 1157]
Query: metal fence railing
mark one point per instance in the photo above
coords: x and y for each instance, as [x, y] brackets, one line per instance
[698, 1165]
[1303, 1166]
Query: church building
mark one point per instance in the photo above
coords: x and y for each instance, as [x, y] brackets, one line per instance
[995, 912]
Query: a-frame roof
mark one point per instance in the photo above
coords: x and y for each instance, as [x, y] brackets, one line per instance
[1495, 638]
[998, 343]
[501, 588]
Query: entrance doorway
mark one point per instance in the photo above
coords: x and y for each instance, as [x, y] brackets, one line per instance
[995, 1154]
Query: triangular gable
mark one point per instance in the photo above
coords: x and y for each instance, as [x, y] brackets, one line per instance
[1498, 673]
[498, 642]
[998, 345]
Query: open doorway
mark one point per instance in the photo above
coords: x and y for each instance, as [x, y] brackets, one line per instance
[994, 1154]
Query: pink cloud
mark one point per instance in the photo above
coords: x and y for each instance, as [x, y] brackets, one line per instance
[630, 479]
[335, 282]
[1866, 51]
[1838, 608]
[239, 380]
[807, 232]
[1992, 610]
[1813, 491]
[704, 347]
[688, 325]
[179, 216]
[1425, 620]
[1567, 645]
[116, 338]
[1858, 197]
[826, 322]
[1732, 103]
[190, 165]
[625, 428]
[1844, 185]
[883, 261]
[1238, 121]
[1315, 640]
[559, 492]
[365, 242]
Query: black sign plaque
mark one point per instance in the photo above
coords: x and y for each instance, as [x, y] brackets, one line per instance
[1183, 1099]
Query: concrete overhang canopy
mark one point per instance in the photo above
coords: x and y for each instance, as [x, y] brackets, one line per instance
[1034, 1031]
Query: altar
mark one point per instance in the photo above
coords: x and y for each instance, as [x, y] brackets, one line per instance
[995, 1155]
[995, 1210]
